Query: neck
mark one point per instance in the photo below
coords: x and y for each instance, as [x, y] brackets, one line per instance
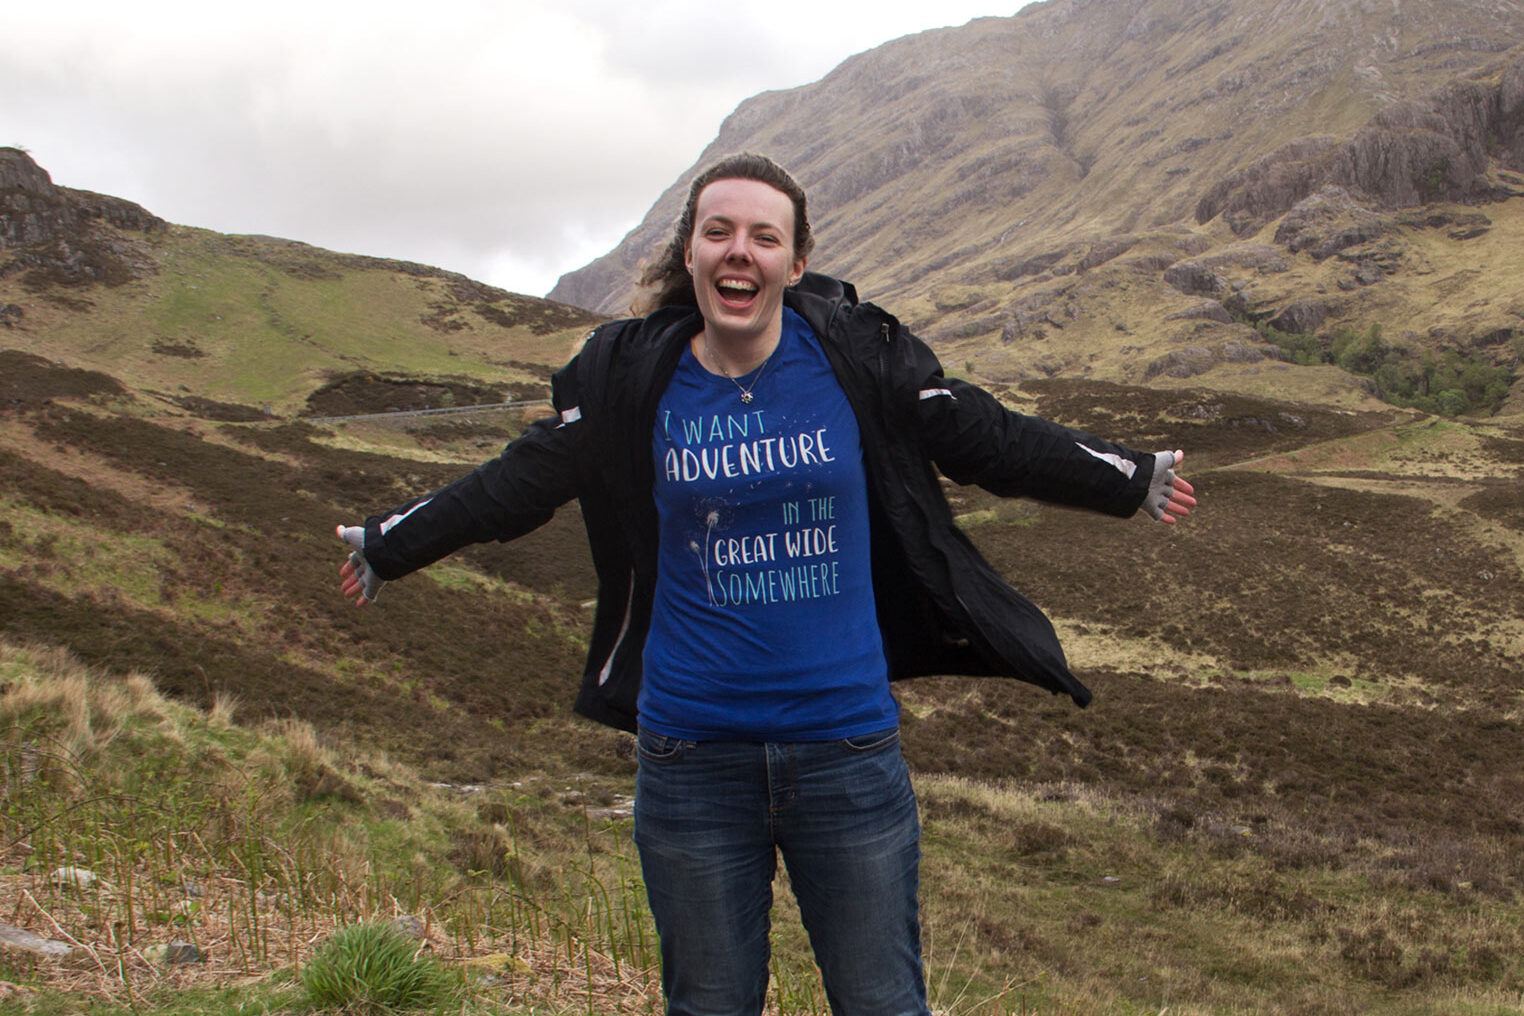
[734, 356]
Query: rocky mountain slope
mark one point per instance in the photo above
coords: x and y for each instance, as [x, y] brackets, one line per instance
[1151, 177]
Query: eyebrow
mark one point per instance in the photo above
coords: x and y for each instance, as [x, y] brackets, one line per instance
[728, 221]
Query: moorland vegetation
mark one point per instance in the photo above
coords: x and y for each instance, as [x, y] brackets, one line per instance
[1296, 791]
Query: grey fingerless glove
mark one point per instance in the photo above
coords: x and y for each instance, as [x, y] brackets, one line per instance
[1161, 486]
[370, 582]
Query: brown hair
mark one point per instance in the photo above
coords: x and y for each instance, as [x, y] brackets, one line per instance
[667, 278]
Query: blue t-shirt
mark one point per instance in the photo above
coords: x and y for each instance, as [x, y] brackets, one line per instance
[764, 625]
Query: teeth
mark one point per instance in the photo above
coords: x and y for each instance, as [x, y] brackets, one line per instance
[737, 284]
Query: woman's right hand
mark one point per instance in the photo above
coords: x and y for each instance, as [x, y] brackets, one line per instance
[356, 579]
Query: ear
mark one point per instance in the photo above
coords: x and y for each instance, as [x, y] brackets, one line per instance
[798, 271]
[688, 256]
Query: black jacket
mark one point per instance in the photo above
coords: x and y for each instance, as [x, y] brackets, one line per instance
[942, 608]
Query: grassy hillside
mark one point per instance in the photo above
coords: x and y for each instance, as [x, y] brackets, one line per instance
[1439, 287]
[262, 324]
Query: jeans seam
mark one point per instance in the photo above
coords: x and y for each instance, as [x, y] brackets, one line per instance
[671, 748]
[889, 738]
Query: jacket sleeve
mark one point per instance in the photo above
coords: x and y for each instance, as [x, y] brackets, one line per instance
[973, 439]
[499, 500]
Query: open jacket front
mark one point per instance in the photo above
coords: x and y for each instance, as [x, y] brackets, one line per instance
[941, 608]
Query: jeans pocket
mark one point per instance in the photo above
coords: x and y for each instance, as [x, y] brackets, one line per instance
[659, 748]
[875, 741]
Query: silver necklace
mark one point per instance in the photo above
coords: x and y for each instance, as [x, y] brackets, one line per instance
[746, 392]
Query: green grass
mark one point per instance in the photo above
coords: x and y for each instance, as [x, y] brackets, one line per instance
[139, 570]
[375, 970]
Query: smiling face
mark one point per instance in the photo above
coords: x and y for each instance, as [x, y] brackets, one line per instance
[741, 257]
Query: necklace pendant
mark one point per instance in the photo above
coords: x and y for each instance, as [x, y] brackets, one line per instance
[746, 398]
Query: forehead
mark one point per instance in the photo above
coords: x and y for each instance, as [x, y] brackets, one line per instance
[745, 201]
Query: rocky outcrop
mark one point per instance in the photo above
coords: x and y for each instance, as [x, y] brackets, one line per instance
[1195, 278]
[21, 940]
[1194, 360]
[1301, 317]
[1435, 149]
[19, 173]
[1328, 222]
[33, 210]
[1207, 310]
[1213, 275]
[55, 231]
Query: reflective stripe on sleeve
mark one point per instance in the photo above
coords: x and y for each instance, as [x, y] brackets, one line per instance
[1124, 466]
[386, 526]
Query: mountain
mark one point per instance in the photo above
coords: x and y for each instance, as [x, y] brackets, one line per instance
[1150, 178]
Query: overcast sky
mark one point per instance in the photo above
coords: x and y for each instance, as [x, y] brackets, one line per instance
[511, 140]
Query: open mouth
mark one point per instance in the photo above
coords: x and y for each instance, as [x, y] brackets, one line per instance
[736, 292]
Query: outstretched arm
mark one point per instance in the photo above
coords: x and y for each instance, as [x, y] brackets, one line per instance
[513, 494]
[974, 439]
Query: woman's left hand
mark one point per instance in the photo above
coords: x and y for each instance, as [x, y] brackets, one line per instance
[1169, 496]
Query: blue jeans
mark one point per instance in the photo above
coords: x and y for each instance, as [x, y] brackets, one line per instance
[710, 820]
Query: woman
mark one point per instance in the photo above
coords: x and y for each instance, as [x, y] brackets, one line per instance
[754, 463]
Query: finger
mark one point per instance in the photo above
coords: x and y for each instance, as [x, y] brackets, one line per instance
[1183, 486]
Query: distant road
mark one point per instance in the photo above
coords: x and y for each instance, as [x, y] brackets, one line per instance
[428, 412]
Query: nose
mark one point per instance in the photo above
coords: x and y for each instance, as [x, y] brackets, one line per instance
[739, 249]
